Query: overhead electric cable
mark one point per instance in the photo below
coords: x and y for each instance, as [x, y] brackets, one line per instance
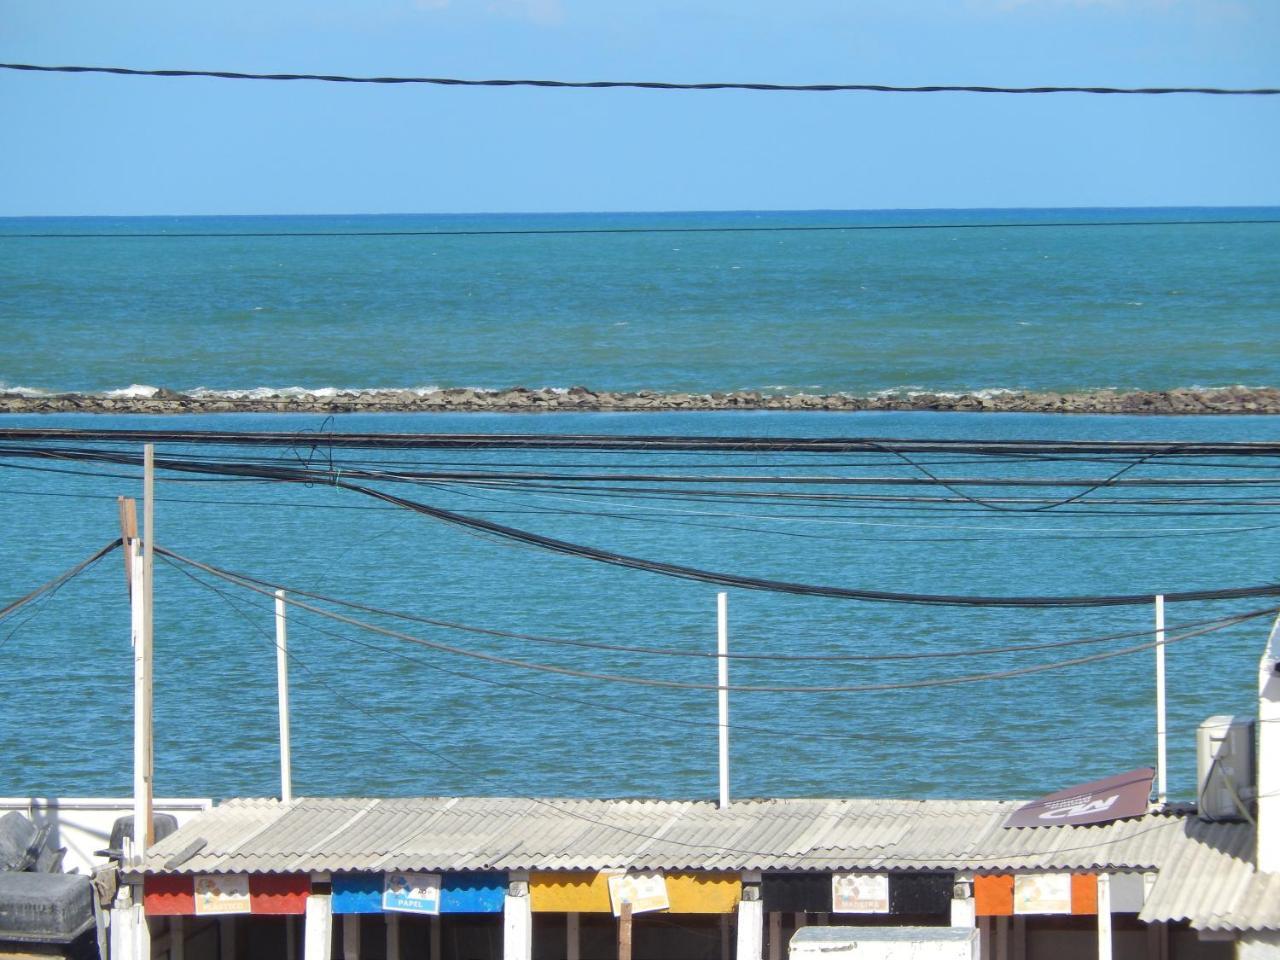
[15, 605]
[1022, 738]
[655, 443]
[473, 777]
[646, 84]
[680, 571]
[683, 685]
[699, 654]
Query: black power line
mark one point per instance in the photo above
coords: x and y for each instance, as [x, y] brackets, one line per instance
[650, 443]
[472, 524]
[646, 84]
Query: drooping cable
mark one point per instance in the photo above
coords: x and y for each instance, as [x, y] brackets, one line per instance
[646, 84]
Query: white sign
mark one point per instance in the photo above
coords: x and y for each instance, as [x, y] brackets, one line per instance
[411, 892]
[1041, 893]
[644, 891]
[859, 893]
[222, 893]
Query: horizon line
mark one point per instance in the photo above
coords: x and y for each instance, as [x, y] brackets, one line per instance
[634, 212]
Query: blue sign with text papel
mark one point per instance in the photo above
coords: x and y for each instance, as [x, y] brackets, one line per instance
[411, 892]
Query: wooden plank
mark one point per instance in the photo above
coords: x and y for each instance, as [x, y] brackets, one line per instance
[569, 891]
[993, 895]
[279, 894]
[169, 896]
[1084, 894]
[704, 892]
[624, 932]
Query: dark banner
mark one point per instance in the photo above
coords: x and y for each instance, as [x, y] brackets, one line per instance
[1114, 798]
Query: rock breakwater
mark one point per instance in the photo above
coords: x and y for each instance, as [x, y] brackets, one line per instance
[1225, 400]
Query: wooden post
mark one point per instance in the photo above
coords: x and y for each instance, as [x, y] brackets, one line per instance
[775, 935]
[573, 936]
[722, 681]
[437, 947]
[282, 698]
[226, 938]
[128, 531]
[1157, 940]
[178, 939]
[624, 931]
[351, 936]
[148, 569]
[393, 936]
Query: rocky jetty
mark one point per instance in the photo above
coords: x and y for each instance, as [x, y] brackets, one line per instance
[1226, 400]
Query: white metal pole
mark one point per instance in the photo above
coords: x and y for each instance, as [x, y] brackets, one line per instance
[136, 605]
[148, 623]
[722, 663]
[1162, 769]
[282, 695]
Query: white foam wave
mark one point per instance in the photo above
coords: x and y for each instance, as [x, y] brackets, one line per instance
[17, 390]
[297, 392]
[135, 391]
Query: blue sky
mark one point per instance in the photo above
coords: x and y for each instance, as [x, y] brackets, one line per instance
[87, 145]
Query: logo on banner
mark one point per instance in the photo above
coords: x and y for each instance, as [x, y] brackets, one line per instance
[219, 893]
[859, 893]
[411, 892]
[644, 891]
[1114, 798]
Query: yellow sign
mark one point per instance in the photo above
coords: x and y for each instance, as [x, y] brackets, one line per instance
[644, 891]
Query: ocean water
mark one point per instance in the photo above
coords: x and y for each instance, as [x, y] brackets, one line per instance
[375, 715]
[717, 301]
[824, 301]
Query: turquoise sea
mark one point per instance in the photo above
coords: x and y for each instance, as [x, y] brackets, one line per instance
[1068, 299]
[970, 307]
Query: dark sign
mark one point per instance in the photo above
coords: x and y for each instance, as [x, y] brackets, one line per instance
[1124, 795]
[796, 892]
[921, 893]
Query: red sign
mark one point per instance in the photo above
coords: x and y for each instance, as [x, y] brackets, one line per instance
[1124, 795]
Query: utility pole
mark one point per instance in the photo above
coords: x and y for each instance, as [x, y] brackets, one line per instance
[148, 631]
[139, 554]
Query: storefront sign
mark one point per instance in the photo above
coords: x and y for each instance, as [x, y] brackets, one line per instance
[644, 891]
[411, 892]
[221, 894]
[859, 893]
[1039, 893]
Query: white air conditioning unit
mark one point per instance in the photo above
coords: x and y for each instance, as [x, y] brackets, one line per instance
[1225, 768]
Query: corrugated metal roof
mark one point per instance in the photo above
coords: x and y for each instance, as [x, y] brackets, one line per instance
[1209, 881]
[1204, 869]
